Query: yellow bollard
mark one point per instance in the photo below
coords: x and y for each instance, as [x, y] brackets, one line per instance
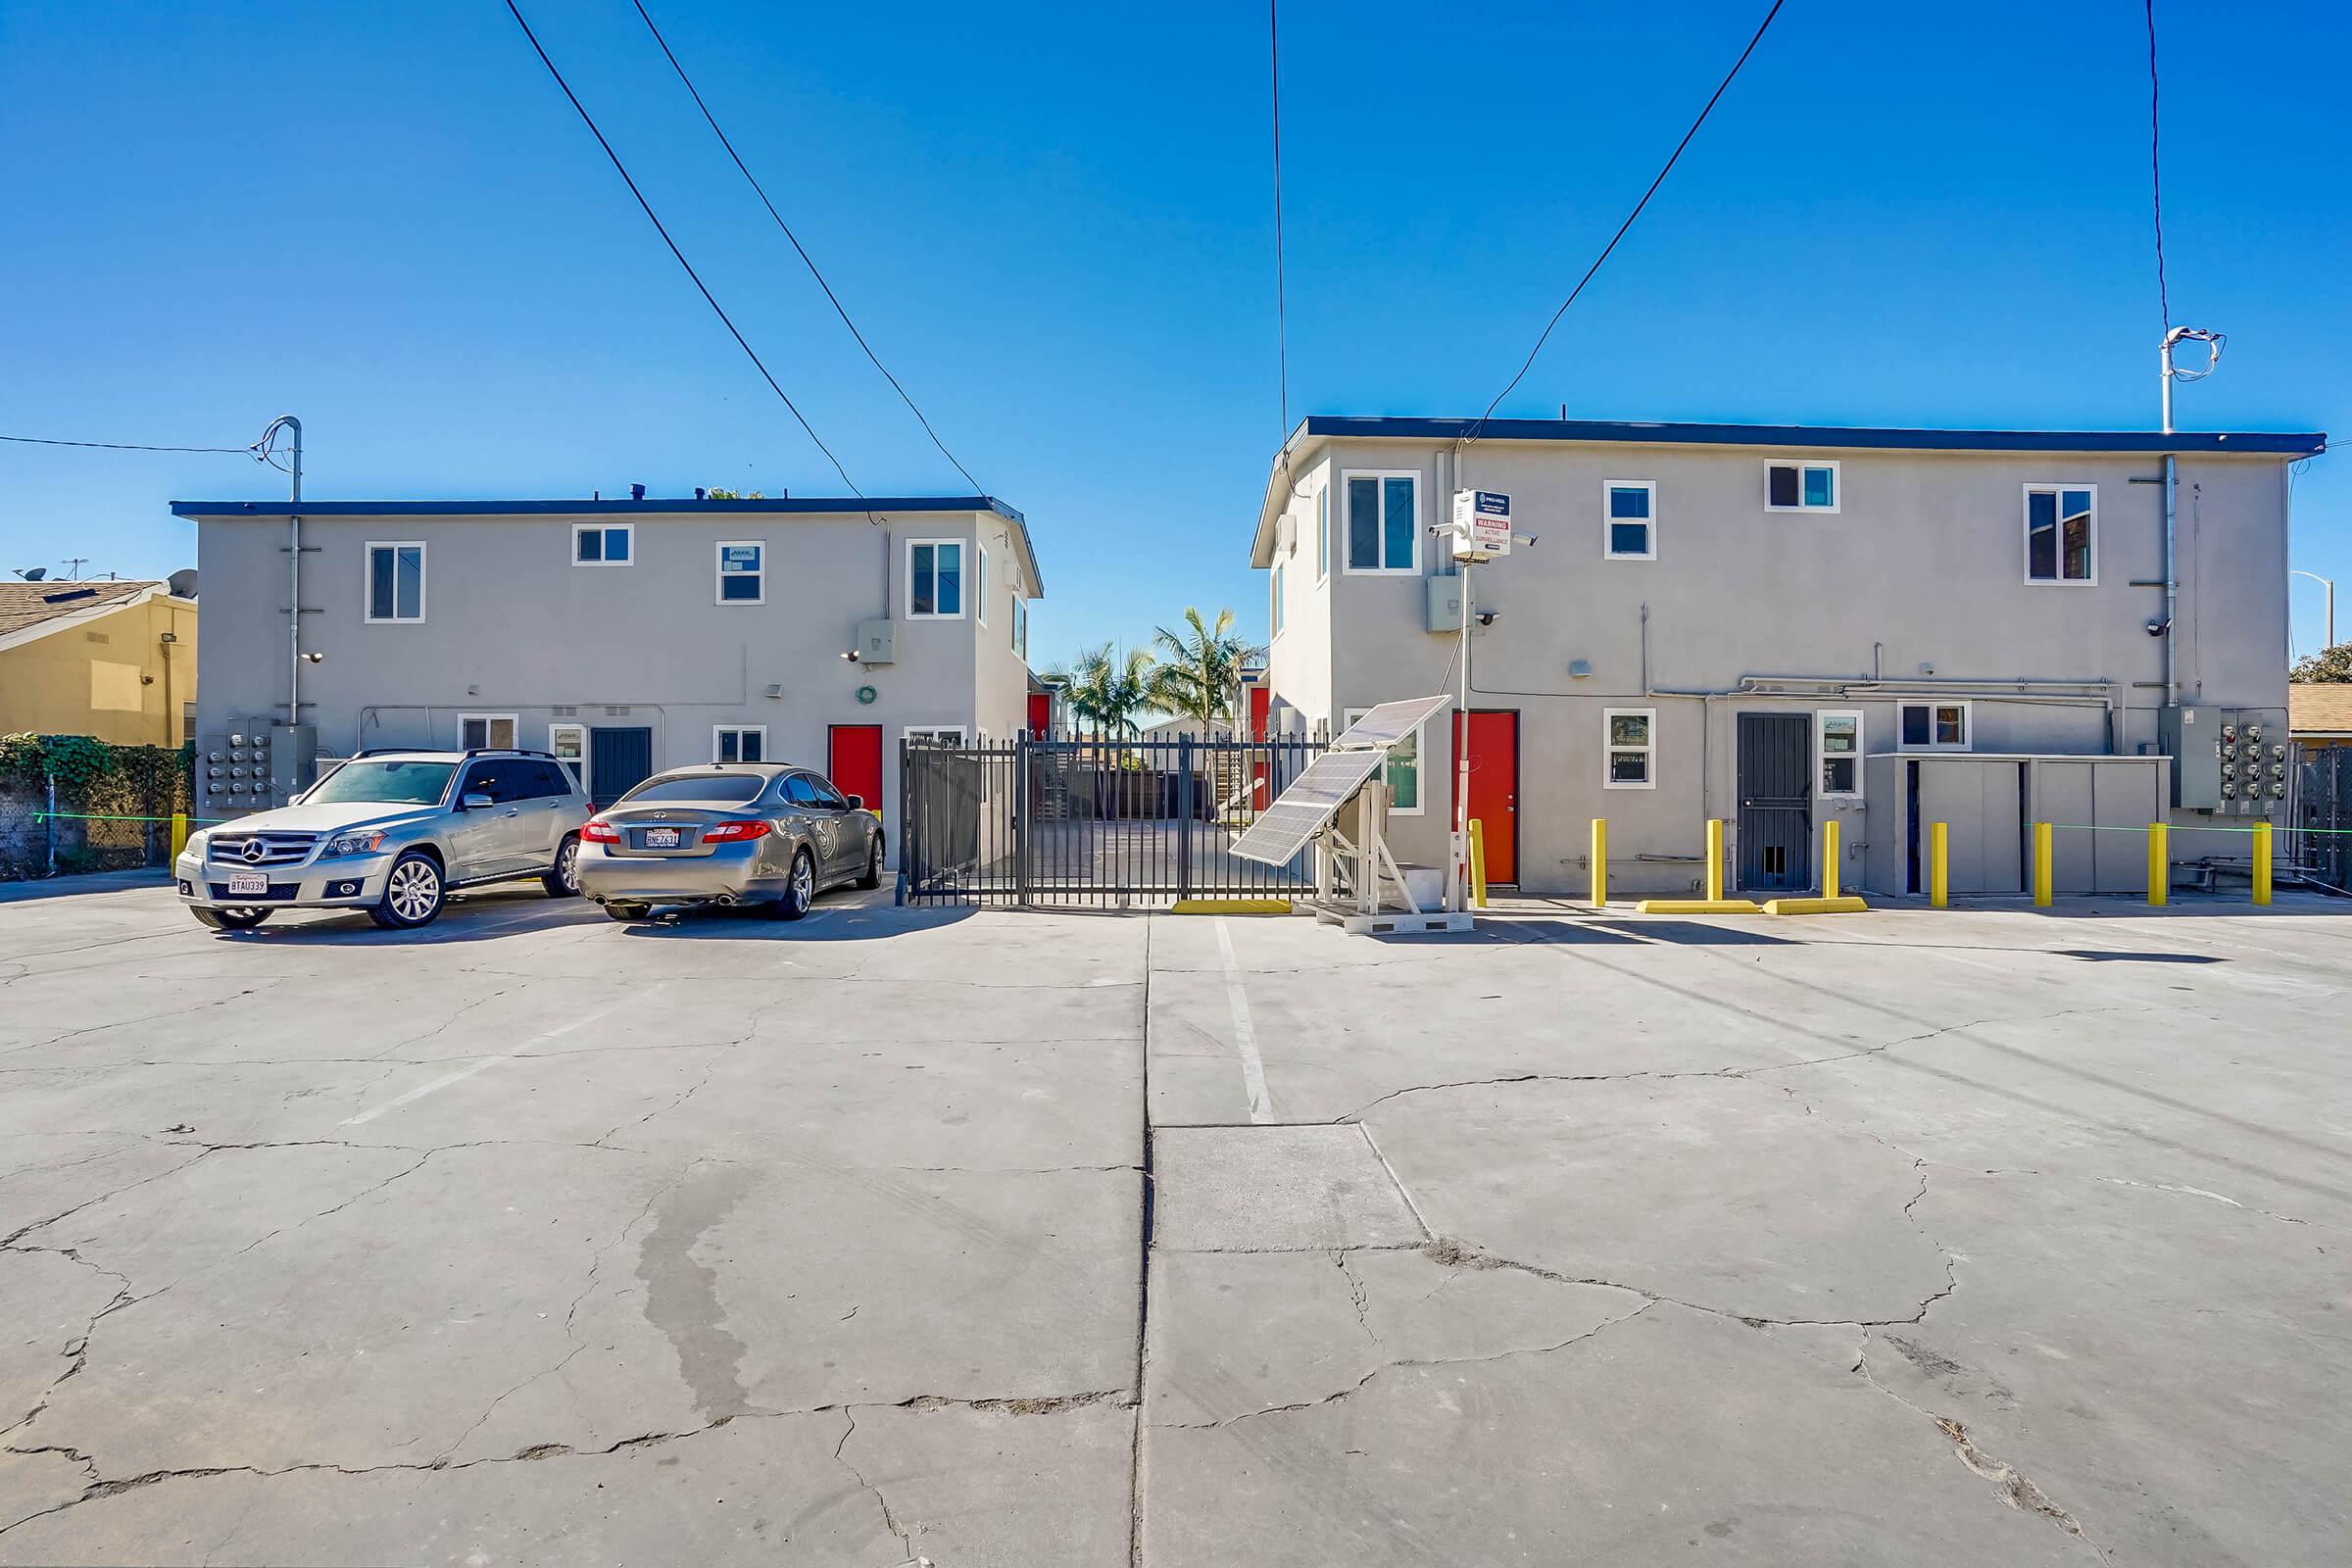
[2042, 865]
[180, 833]
[1478, 863]
[1829, 858]
[2160, 865]
[1601, 861]
[1939, 872]
[1714, 859]
[2262, 862]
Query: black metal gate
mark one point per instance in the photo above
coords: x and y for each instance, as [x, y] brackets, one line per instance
[1092, 821]
[1775, 802]
[2324, 815]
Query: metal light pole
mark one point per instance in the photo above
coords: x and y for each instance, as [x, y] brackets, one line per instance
[2328, 583]
[2172, 372]
[289, 424]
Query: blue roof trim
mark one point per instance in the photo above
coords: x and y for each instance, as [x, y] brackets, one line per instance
[1816, 435]
[591, 508]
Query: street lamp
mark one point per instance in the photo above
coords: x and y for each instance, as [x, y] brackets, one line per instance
[2328, 583]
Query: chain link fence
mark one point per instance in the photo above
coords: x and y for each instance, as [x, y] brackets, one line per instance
[111, 811]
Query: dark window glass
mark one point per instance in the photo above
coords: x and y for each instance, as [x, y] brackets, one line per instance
[1629, 767]
[1916, 726]
[1784, 490]
[2076, 525]
[1629, 538]
[800, 790]
[616, 544]
[950, 579]
[501, 781]
[921, 595]
[379, 584]
[548, 780]
[716, 789]
[393, 783]
[1627, 500]
[1400, 522]
[1363, 524]
[1821, 487]
[740, 587]
[827, 793]
[589, 544]
[2042, 536]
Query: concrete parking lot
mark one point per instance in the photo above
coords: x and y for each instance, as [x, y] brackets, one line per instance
[979, 1237]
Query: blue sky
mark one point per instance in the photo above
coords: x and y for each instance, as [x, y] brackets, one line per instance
[1054, 223]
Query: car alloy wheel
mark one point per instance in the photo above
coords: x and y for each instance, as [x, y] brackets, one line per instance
[804, 881]
[415, 890]
[567, 867]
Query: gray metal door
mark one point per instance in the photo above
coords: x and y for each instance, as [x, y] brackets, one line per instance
[1775, 802]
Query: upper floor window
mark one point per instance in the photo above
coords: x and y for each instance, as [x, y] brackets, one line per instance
[396, 581]
[1384, 523]
[1839, 739]
[1020, 627]
[2061, 533]
[743, 572]
[602, 544]
[1633, 519]
[1274, 604]
[935, 578]
[1933, 726]
[980, 585]
[1800, 487]
[1322, 533]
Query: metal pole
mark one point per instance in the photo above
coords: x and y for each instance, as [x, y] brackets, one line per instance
[1457, 884]
[2328, 583]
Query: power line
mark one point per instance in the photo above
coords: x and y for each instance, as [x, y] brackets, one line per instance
[2164, 298]
[709, 298]
[838, 310]
[1281, 329]
[1668, 169]
[127, 446]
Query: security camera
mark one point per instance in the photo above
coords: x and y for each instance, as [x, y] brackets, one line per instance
[314, 659]
[2156, 626]
[1488, 618]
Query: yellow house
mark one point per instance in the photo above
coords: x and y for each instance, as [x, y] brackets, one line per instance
[113, 661]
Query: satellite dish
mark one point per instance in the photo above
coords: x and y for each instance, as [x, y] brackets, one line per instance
[33, 573]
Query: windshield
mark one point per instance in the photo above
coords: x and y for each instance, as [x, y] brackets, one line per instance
[392, 783]
[721, 789]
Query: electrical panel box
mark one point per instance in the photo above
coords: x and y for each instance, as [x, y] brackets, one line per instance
[293, 760]
[234, 768]
[877, 642]
[2228, 762]
[1445, 602]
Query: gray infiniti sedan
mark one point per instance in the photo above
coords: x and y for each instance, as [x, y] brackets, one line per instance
[757, 833]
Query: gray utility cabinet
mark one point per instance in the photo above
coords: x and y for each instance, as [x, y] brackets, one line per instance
[2101, 808]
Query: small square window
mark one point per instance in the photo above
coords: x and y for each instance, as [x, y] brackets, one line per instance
[601, 544]
[394, 582]
[743, 574]
[1630, 748]
[1800, 487]
[1934, 727]
[1839, 745]
[1631, 519]
[739, 742]
[478, 732]
[1383, 532]
[934, 579]
[2062, 531]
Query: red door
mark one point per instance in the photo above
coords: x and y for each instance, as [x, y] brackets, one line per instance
[1494, 786]
[855, 763]
[1041, 714]
[1262, 794]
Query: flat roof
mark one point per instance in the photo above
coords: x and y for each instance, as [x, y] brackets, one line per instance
[652, 505]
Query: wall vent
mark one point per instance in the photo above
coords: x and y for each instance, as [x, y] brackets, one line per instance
[617, 713]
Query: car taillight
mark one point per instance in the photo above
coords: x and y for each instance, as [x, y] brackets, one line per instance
[731, 832]
[599, 831]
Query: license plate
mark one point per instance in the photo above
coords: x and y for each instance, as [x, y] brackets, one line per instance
[661, 838]
[249, 882]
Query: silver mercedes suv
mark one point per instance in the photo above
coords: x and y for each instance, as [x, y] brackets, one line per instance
[392, 832]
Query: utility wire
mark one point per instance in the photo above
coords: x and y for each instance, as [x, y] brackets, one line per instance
[707, 297]
[838, 310]
[130, 446]
[2164, 298]
[1668, 169]
[1281, 329]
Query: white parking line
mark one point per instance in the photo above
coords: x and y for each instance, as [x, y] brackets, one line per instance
[1245, 1036]
[483, 1064]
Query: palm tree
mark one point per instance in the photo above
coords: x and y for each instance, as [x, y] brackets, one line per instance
[1109, 690]
[1200, 668]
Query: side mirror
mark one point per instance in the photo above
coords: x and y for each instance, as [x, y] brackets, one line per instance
[476, 803]
[856, 802]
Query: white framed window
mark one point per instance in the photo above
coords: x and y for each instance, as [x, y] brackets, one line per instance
[935, 579]
[1629, 518]
[604, 544]
[486, 732]
[1323, 534]
[1020, 628]
[1934, 727]
[1802, 486]
[1403, 770]
[1837, 754]
[942, 734]
[2062, 534]
[742, 573]
[1382, 526]
[739, 742]
[570, 743]
[1628, 747]
[396, 580]
[980, 583]
[1274, 603]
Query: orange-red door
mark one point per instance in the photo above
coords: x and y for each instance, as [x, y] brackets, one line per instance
[854, 763]
[1262, 794]
[1494, 786]
[1041, 714]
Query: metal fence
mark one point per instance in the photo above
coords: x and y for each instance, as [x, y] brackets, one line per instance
[1092, 821]
[115, 823]
[2322, 842]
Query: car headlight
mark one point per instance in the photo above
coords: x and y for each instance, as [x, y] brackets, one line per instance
[365, 842]
[197, 844]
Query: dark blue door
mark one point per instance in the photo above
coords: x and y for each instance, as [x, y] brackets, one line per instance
[1775, 802]
[619, 760]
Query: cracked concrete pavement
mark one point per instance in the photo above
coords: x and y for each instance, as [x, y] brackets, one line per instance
[1991, 1235]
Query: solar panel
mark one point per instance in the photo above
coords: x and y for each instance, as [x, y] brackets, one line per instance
[1284, 829]
[1389, 723]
